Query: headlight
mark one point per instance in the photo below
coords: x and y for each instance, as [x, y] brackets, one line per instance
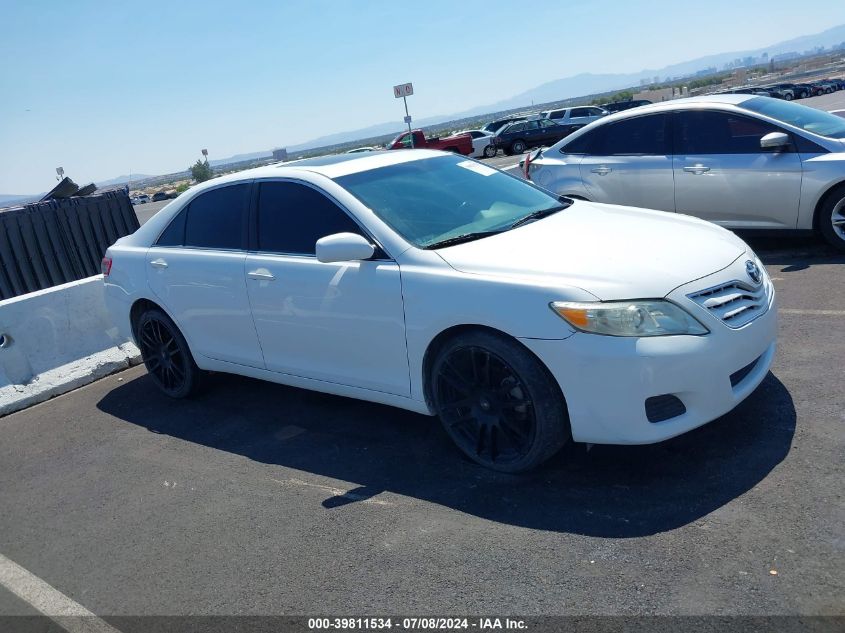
[629, 318]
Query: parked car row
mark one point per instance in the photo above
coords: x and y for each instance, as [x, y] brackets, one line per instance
[158, 196]
[789, 91]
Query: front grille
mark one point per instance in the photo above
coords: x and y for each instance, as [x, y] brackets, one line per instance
[659, 408]
[739, 375]
[735, 303]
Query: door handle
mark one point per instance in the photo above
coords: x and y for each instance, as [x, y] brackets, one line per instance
[158, 263]
[696, 169]
[602, 171]
[262, 274]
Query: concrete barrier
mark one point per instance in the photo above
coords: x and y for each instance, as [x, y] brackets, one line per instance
[55, 340]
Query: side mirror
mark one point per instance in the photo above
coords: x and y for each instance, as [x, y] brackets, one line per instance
[775, 140]
[344, 247]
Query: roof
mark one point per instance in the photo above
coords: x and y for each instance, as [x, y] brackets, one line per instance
[337, 165]
[331, 166]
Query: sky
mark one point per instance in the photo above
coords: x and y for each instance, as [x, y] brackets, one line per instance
[107, 88]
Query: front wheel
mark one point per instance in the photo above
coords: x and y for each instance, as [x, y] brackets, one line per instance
[518, 147]
[497, 402]
[832, 218]
[490, 151]
[166, 355]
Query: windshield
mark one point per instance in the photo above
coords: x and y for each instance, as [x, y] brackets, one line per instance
[431, 200]
[806, 118]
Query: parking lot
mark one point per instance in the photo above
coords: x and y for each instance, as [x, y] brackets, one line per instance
[261, 499]
[255, 499]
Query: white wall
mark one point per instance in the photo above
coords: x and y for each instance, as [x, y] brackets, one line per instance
[55, 340]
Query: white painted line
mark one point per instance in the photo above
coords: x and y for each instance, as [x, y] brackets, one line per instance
[335, 492]
[813, 312]
[69, 615]
[514, 166]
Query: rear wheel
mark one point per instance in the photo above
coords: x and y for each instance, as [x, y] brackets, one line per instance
[166, 354]
[518, 147]
[832, 218]
[490, 151]
[497, 402]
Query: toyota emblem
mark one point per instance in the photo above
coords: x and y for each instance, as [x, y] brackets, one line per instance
[753, 272]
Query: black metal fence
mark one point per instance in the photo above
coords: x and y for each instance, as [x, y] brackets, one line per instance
[57, 241]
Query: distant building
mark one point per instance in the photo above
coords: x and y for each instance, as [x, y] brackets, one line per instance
[280, 154]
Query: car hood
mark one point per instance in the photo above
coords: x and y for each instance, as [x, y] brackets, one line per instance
[612, 252]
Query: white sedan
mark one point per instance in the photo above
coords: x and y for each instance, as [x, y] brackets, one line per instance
[483, 143]
[437, 284]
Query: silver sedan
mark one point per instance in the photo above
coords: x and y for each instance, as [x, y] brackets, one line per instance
[741, 161]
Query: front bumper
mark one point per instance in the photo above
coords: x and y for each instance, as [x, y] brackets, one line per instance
[606, 380]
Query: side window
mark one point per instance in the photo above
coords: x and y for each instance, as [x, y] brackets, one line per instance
[578, 112]
[406, 141]
[557, 114]
[532, 125]
[547, 123]
[642, 135]
[293, 216]
[517, 127]
[587, 143]
[215, 219]
[174, 234]
[708, 132]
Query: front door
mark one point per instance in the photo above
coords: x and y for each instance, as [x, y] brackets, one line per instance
[337, 322]
[722, 174]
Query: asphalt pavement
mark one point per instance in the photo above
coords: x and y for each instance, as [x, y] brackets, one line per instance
[256, 499]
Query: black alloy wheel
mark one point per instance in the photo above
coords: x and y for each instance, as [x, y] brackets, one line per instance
[498, 403]
[166, 355]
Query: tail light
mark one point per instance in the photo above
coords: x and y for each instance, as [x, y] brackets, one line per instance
[105, 266]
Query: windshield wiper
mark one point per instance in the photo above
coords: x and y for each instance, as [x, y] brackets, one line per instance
[536, 215]
[460, 239]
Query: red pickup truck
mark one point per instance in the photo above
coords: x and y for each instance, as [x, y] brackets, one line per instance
[458, 143]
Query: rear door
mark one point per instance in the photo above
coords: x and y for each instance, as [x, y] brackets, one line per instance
[338, 322]
[629, 162]
[722, 175]
[196, 270]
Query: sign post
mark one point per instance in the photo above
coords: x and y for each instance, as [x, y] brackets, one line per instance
[405, 91]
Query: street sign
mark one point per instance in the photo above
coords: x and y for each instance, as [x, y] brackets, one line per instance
[403, 90]
[408, 120]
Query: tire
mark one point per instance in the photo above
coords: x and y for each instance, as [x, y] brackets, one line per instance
[831, 218]
[166, 354]
[787, 97]
[518, 147]
[490, 151]
[497, 402]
